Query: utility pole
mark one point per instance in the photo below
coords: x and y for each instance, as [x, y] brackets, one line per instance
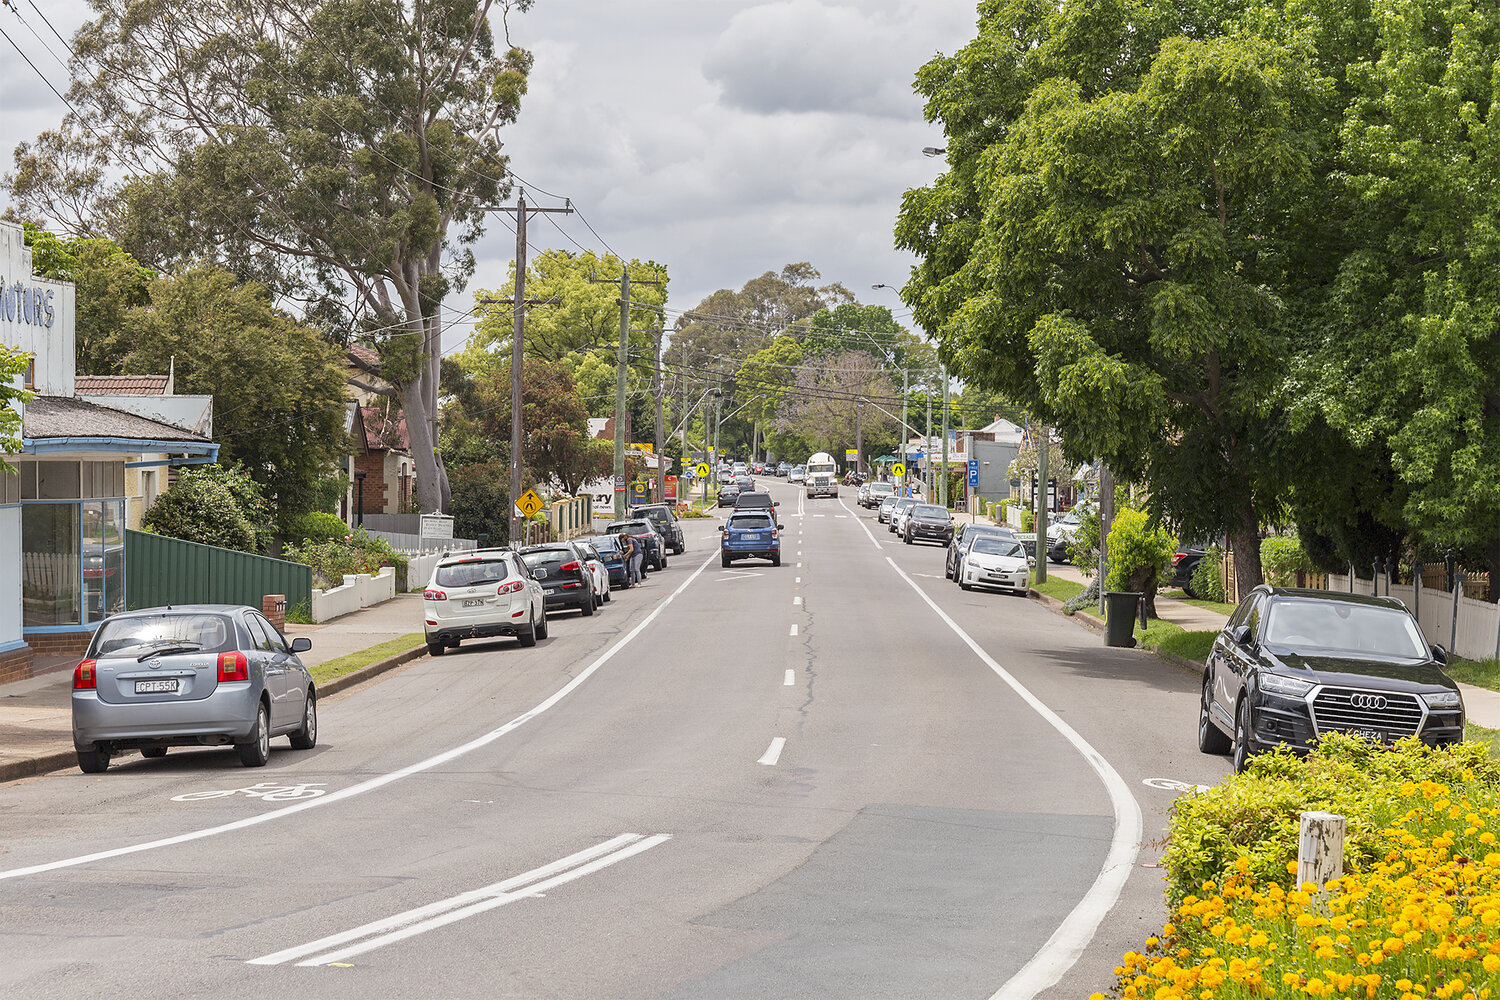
[661, 441]
[686, 458]
[943, 480]
[1106, 521]
[859, 436]
[517, 350]
[622, 367]
[1040, 522]
[927, 449]
[901, 455]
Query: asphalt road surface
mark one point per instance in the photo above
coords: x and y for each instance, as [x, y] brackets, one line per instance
[842, 777]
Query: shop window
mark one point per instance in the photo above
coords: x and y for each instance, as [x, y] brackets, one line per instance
[103, 480]
[50, 564]
[102, 554]
[10, 485]
[26, 479]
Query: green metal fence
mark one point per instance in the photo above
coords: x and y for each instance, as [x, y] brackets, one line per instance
[160, 570]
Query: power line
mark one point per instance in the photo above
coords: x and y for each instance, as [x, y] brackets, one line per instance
[48, 23]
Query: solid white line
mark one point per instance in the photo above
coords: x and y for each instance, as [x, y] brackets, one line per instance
[791, 678]
[463, 899]
[380, 780]
[453, 916]
[793, 631]
[773, 753]
[1073, 935]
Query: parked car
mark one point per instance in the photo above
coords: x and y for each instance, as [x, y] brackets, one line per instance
[963, 537]
[927, 522]
[758, 469]
[1291, 665]
[798, 474]
[897, 521]
[597, 569]
[883, 514]
[664, 519]
[728, 493]
[566, 581]
[612, 554]
[641, 529]
[481, 594]
[755, 501]
[870, 494]
[992, 561]
[750, 533]
[1184, 564]
[192, 675]
[1060, 532]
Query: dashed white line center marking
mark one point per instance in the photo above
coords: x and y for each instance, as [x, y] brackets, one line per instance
[773, 753]
[796, 600]
[799, 579]
[793, 631]
[791, 678]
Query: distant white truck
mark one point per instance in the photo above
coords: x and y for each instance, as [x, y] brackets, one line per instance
[822, 476]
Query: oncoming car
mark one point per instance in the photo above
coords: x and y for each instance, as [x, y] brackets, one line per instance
[193, 675]
[482, 594]
[1291, 665]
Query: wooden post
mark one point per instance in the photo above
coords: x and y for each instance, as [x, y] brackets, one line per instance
[1320, 848]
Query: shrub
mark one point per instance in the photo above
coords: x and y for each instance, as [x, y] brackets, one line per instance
[1000, 511]
[1028, 521]
[1208, 576]
[480, 501]
[209, 505]
[1282, 559]
[1083, 547]
[318, 526]
[361, 552]
[1139, 553]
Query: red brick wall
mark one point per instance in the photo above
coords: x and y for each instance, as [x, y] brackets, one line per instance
[61, 644]
[16, 664]
[372, 464]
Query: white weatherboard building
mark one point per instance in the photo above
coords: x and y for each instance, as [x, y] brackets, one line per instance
[85, 471]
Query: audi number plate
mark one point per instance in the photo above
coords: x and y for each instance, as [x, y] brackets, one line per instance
[474, 602]
[1373, 735]
[166, 685]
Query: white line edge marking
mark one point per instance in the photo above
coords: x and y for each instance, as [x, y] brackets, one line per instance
[773, 752]
[1067, 943]
[453, 916]
[791, 678]
[381, 780]
[793, 631]
[453, 902]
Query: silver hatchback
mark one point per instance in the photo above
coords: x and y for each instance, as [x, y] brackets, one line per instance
[193, 675]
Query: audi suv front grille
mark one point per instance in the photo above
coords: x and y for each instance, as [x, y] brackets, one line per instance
[1344, 709]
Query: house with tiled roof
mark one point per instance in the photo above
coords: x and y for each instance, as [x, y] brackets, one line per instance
[87, 468]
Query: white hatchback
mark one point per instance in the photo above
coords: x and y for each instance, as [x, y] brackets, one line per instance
[481, 594]
[993, 561]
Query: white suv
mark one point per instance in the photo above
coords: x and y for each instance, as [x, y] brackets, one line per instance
[479, 594]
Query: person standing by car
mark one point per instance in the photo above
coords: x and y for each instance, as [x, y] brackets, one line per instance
[635, 555]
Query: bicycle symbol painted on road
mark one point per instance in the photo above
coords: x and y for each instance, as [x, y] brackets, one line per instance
[267, 791]
[1173, 785]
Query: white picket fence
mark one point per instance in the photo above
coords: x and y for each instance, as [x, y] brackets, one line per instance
[1468, 627]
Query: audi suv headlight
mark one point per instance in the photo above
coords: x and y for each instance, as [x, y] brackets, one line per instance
[1443, 699]
[1291, 687]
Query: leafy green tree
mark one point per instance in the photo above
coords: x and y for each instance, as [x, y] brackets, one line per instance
[824, 403]
[278, 385]
[109, 281]
[350, 148]
[1113, 244]
[13, 365]
[213, 505]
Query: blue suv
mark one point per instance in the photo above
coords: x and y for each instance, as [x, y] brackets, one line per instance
[750, 533]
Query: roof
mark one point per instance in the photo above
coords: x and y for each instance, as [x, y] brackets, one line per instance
[69, 417]
[367, 355]
[121, 385]
[384, 429]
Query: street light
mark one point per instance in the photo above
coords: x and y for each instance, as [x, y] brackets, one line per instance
[934, 150]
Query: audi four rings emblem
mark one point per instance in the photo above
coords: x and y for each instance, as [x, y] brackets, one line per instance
[1374, 701]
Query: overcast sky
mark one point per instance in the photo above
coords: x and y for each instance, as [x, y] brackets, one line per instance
[722, 138]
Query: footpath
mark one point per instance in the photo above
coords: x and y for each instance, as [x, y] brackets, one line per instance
[1480, 704]
[36, 727]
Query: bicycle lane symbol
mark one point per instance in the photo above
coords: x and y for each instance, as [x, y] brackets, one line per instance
[266, 791]
[1173, 785]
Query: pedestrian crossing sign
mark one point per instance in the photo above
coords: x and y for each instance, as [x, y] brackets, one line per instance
[530, 503]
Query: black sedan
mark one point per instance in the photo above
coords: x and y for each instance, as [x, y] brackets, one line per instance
[928, 522]
[1291, 665]
[645, 534]
[566, 581]
[963, 537]
[728, 493]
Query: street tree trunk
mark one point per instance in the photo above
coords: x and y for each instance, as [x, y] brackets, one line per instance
[1244, 538]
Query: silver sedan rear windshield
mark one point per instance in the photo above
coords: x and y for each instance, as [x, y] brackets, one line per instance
[210, 633]
[1350, 628]
[472, 573]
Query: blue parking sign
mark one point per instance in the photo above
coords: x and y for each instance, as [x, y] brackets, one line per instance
[974, 472]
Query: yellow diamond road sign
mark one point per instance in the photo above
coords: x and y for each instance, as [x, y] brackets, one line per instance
[703, 470]
[898, 470]
[529, 503]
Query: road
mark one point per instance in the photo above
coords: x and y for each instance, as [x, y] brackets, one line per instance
[756, 782]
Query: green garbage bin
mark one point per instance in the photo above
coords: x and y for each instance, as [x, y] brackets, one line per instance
[1119, 617]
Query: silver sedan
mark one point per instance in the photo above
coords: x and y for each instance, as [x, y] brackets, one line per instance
[193, 675]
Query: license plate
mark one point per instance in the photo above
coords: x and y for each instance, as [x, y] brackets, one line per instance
[1373, 735]
[751, 537]
[474, 602]
[166, 685]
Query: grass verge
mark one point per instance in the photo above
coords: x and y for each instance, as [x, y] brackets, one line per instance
[1058, 588]
[1174, 639]
[1479, 734]
[1480, 673]
[341, 665]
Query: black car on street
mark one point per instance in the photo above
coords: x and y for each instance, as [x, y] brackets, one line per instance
[565, 580]
[645, 534]
[1291, 665]
[928, 522]
[664, 519]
